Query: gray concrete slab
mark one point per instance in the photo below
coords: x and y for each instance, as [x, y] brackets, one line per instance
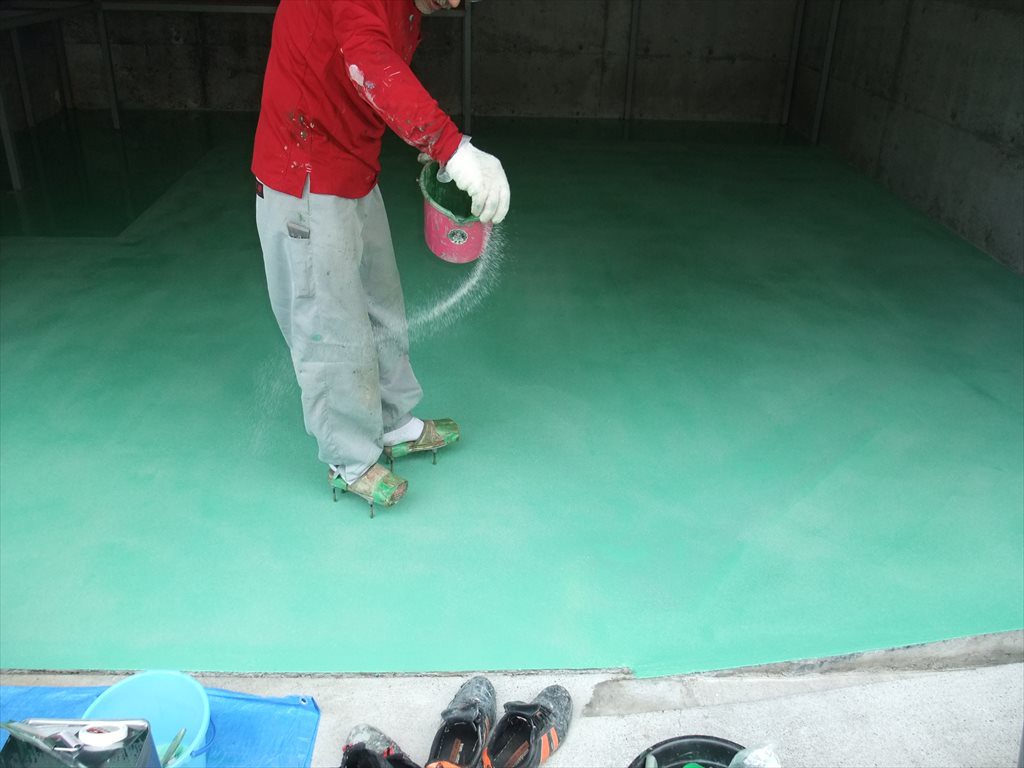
[959, 703]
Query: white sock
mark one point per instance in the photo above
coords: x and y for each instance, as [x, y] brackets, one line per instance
[408, 431]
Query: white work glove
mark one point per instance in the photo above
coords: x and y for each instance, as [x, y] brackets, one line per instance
[481, 176]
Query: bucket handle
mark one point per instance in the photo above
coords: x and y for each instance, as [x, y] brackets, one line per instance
[211, 733]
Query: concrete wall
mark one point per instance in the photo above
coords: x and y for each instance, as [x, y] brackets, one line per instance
[39, 58]
[171, 60]
[927, 96]
[697, 59]
[722, 60]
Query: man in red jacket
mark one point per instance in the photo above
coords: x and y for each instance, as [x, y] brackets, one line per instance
[337, 76]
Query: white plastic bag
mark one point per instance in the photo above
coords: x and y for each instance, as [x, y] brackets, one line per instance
[756, 757]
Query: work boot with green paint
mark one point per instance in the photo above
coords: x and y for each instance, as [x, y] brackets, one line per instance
[376, 485]
[436, 434]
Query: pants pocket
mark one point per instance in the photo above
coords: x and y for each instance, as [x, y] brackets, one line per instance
[300, 260]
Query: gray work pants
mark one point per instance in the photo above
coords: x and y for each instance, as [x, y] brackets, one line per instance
[335, 292]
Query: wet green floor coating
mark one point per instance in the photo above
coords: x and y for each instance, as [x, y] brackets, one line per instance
[728, 404]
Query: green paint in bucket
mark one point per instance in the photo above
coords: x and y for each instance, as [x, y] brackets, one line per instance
[446, 196]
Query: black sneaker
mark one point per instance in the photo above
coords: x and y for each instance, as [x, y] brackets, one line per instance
[466, 726]
[527, 734]
[366, 747]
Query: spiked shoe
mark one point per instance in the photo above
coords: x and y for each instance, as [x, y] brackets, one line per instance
[437, 433]
[376, 485]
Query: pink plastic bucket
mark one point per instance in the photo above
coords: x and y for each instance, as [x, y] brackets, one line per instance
[452, 232]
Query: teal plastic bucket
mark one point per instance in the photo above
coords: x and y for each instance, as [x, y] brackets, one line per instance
[170, 701]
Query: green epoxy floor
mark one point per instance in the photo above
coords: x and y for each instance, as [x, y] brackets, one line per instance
[730, 402]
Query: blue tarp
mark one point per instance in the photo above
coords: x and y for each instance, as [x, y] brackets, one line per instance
[252, 731]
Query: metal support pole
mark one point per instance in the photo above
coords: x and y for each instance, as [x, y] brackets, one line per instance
[62, 64]
[794, 59]
[826, 71]
[467, 67]
[101, 27]
[634, 36]
[19, 67]
[10, 149]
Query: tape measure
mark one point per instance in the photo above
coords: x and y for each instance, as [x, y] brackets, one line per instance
[106, 735]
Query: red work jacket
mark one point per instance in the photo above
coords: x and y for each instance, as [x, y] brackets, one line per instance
[338, 73]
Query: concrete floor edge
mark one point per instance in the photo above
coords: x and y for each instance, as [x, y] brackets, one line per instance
[991, 649]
